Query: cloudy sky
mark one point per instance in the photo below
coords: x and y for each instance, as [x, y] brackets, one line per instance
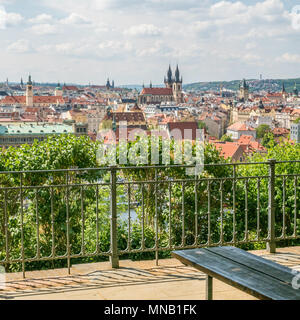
[132, 41]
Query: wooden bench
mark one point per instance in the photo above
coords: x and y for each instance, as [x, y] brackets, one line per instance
[252, 274]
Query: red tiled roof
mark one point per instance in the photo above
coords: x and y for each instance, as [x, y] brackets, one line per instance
[249, 144]
[245, 139]
[227, 149]
[274, 95]
[280, 131]
[239, 126]
[48, 99]
[36, 99]
[157, 91]
[128, 116]
[13, 100]
[70, 88]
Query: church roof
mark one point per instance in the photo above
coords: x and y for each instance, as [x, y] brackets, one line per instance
[158, 91]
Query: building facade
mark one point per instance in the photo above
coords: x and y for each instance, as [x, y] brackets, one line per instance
[27, 133]
[295, 132]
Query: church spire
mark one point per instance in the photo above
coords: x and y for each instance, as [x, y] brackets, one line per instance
[29, 80]
[177, 74]
[170, 74]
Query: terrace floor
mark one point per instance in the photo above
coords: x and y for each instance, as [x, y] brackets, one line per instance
[138, 280]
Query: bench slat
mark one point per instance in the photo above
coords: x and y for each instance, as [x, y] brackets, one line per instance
[237, 275]
[257, 263]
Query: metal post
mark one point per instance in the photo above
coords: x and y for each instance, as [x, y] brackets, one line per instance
[114, 258]
[271, 244]
[209, 288]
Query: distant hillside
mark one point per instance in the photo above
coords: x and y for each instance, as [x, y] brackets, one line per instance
[271, 85]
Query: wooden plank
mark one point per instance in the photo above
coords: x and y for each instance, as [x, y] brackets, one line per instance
[257, 263]
[209, 288]
[239, 276]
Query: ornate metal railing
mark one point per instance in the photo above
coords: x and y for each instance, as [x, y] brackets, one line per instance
[84, 213]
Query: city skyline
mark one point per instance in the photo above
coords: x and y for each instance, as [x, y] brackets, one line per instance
[132, 42]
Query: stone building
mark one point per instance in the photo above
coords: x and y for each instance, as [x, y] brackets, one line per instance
[171, 93]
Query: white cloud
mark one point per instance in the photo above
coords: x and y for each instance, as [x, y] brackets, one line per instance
[143, 30]
[289, 57]
[65, 48]
[9, 19]
[44, 29]
[41, 19]
[115, 45]
[226, 9]
[75, 18]
[20, 46]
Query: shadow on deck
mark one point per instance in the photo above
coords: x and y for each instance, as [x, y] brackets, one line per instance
[139, 280]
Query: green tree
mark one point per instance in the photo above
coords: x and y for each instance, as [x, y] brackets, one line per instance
[226, 138]
[262, 130]
[268, 140]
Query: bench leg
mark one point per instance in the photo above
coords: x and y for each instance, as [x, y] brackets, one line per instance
[209, 288]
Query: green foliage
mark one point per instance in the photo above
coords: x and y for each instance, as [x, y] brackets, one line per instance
[268, 140]
[227, 138]
[262, 130]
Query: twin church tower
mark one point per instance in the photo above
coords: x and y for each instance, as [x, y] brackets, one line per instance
[171, 93]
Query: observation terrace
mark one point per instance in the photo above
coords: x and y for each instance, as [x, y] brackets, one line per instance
[107, 233]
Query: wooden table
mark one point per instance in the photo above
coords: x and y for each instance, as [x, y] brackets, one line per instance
[259, 277]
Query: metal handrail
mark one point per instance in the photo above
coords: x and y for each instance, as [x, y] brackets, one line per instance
[213, 221]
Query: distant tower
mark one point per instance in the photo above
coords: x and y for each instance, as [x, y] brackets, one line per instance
[7, 82]
[150, 84]
[177, 87]
[113, 84]
[29, 93]
[58, 91]
[244, 90]
[169, 80]
[108, 86]
[221, 90]
[21, 83]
